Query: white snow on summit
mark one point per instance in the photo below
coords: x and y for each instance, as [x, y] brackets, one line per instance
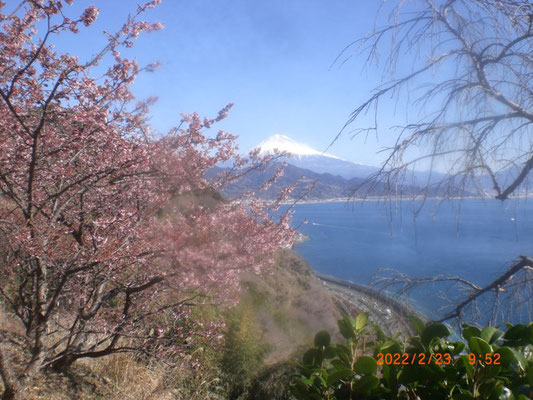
[285, 143]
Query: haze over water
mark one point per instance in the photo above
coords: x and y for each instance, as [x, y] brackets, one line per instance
[475, 239]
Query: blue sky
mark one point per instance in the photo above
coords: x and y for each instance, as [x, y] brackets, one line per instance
[271, 58]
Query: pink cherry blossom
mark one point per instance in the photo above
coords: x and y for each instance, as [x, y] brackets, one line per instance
[89, 15]
[104, 227]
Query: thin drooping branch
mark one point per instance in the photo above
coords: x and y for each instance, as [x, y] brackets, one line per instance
[504, 195]
[474, 112]
[497, 285]
[512, 279]
[390, 278]
[466, 68]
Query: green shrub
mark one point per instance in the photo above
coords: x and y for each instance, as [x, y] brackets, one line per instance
[244, 349]
[272, 383]
[258, 297]
[487, 363]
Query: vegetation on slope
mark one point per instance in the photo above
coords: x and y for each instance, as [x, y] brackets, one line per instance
[251, 354]
[488, 364]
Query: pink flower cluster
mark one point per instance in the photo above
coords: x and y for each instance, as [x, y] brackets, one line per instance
[96, 212]
[89, 15]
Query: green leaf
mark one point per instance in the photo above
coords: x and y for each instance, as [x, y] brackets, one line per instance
[339, 374]
[416, 343]
[329, 352]
[417, 323]
[520, 359]
[507, 356]
[479, 346]
[518, 335]
[322, 339]
[491, 389]
[457, 348]
[366, 384]
[530, 373]
[463, 394]
[391, 347]
[344, 353]
[313, 357]
[300, 389]
[338, 364]
[390, 374]
[361, 320]
[491, 371]
[511, 356]
[491, 334]
[306, 380]
[433, 330]
[365, 365]
[380, 335]
[321, 374]
[468, 367]
[346, 328]
[469, 331]
[412, 373]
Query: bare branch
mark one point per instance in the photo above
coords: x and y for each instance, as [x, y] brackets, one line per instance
[525, 262]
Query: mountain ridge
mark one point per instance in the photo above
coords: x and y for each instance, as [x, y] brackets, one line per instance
[310, 185]
[306, 157]
[285, 143]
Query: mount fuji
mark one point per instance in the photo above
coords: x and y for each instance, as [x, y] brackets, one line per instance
[304, 156]
[318, 175]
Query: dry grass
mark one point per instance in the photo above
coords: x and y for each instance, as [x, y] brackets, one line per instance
[128, 379]
[10, 325]
[290, 306]
[120, 377]
[115, 377]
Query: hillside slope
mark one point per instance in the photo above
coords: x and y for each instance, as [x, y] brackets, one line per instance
[316, 186]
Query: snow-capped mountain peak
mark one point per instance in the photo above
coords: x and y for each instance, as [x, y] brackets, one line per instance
[285, 143]
[304, 156]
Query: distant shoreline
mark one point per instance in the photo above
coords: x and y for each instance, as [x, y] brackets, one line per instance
[397, 198]
[378, 199]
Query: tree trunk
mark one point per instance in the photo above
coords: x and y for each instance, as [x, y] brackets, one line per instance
[12, 386]
[63, 363]
[12, 394]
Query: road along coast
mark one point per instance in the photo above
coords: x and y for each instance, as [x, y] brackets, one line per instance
[391, 314]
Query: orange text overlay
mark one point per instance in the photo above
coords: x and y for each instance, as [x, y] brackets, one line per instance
[435, 358]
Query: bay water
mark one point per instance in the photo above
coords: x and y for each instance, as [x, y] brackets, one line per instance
[473, 238]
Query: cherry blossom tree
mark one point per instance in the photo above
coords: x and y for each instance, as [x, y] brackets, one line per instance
[103, 226]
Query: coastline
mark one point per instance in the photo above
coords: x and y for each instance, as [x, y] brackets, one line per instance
[392, 198]
[390, 314]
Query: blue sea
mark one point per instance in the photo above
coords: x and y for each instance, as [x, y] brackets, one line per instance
[474, 239]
